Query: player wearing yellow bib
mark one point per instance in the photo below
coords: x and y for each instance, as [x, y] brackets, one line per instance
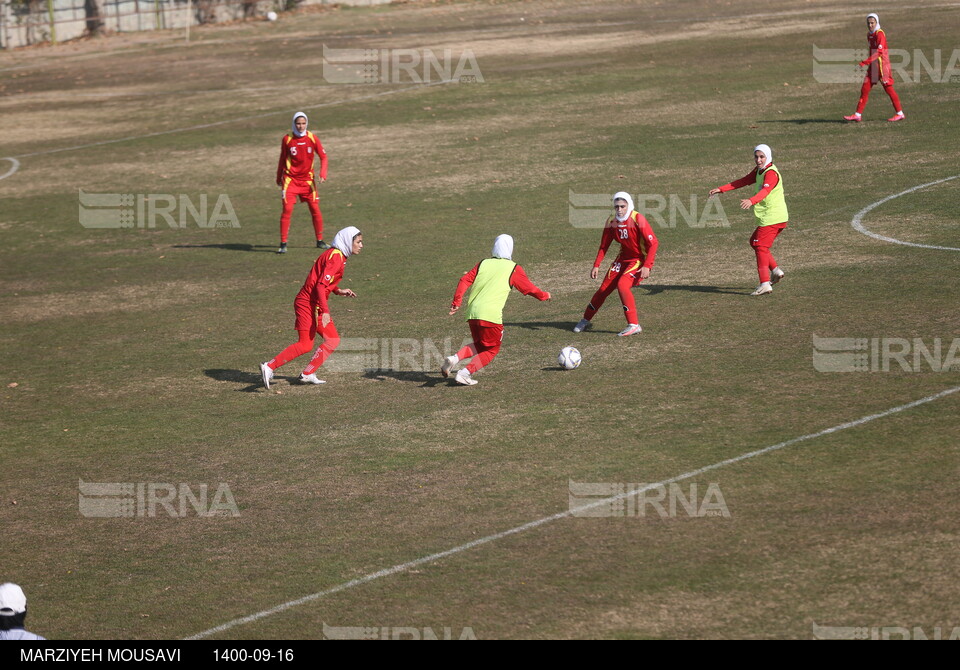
[770, 208]
[489, 282]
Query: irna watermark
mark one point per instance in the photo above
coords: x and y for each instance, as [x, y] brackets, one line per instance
[608, 499]
[370, 354]
[841, 66]
[142, 210]
[885, 632]
[592, 210]
[397, 633]
[399, 66]
[151, 499]
[883, 354]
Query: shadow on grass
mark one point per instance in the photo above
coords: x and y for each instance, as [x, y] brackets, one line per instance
[541, 325]
[262, 248]
[695, 288]
[800, 122]
[253, 379]
[426, 379]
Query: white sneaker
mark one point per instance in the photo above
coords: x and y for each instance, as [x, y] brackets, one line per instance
[776, 275]
[311, 379]
[267, 374]
[448, 364]
[581, 326]
[631, 329]
[763, 289]
[463, 377]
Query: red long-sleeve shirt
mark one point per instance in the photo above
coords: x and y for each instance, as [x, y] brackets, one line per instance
[324, 276]
[518, 280]
[636, 238]
[296, 158]
[770, 180]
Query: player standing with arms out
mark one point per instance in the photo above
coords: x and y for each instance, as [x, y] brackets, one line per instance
[638, 248]
[770, 208]
[296, 179]
[312, 310]
[489, 282]
[878, 70]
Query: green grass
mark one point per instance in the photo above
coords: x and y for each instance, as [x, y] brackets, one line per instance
[134, 352]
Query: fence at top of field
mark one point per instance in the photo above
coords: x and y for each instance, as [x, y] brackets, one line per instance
[26, 22]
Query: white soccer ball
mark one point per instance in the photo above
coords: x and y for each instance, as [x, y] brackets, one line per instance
[271, 16]
[569, 358]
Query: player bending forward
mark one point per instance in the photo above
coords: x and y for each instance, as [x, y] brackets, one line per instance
[638, 248]
[489, 282]
[769, 207]
[312, 310]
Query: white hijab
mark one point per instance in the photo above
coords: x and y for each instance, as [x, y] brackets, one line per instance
[878, 22]
[623, 195]
[344, 240]
[766, 152]
[293, 124]
[503, 247]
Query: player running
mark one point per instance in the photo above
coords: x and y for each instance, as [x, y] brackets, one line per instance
[312, 310]
[769, 207]
[490, 282]
[638, 248]
[878, 70]
[296, 179]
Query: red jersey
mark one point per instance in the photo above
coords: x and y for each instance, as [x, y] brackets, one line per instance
[636, 238]
[296, 159]
[324, 276]
[877, 41]
[770, 181]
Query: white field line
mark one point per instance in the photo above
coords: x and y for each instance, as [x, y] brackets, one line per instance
[857, 221]
[213, 124]
[14, 166]
[555, 517]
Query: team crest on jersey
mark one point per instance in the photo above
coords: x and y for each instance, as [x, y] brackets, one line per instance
[328, 277]
[309, 150]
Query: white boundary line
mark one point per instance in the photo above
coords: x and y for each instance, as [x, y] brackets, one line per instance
[857, 220]
[561, 515]
[14, 166]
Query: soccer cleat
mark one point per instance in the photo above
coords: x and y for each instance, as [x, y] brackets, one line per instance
[283, 248]
[311, 379]
[582, 325]
[631, 329]
[322, 245]
[267, 374]
[763, 289]
[776, 275]
[899, 116]
[463, 377]
[448, 364]
[853, 117]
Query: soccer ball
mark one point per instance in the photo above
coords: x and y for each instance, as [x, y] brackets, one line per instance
[271, 16]
[569, 358]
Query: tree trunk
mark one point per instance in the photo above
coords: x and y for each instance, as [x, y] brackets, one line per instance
[94, 17]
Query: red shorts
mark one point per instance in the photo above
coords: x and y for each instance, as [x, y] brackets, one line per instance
[306, 314]
[486, 335]
[764, 236]
[301, 189]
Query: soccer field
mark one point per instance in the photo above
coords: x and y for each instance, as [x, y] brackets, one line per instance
[792, 482]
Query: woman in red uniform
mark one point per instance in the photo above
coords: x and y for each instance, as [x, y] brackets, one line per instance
[296, 179]
[878, 70]
[312, 310]
[638, 248]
